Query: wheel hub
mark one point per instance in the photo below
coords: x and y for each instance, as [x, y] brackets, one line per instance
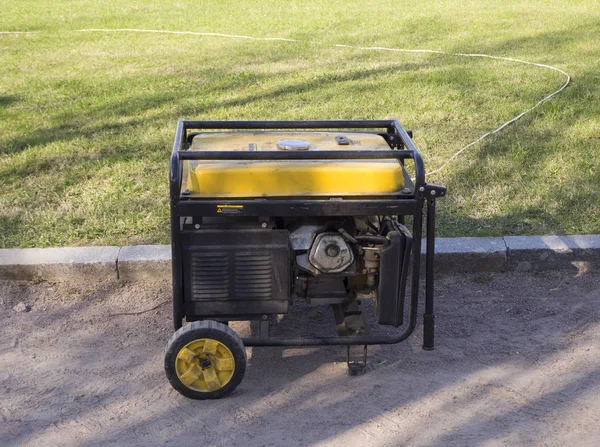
[205, 365]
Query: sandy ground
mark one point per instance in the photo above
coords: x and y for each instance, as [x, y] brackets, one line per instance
[517, 362]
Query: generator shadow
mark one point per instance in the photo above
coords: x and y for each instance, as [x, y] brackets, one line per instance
[516, 355]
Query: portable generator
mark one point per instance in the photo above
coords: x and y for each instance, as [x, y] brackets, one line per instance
[268, 214]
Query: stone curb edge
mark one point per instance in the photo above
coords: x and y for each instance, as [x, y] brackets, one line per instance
[453, 255]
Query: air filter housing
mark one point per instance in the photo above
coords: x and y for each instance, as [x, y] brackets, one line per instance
[237, 272]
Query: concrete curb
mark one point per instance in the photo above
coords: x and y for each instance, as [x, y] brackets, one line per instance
[453, 255]
[468, 254]
[526, 253]
[62, 264]
[145, 263]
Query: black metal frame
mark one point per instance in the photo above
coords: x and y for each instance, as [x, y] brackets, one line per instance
[406, 203]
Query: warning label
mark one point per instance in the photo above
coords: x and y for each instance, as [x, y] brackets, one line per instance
[229, 209]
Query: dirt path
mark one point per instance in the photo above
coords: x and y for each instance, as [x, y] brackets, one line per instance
[517, 362]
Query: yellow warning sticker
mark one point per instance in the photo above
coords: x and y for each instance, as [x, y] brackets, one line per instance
[229, 209]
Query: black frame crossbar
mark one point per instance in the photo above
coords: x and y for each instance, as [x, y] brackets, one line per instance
[295, 155]
[404, 204]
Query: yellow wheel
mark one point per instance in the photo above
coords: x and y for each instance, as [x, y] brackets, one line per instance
[205, 360]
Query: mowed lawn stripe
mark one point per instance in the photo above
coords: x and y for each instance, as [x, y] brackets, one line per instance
[87, 118]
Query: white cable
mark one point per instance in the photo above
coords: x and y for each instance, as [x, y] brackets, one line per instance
[18, 32]
[189, 33]
[498, 129]
[400, 50]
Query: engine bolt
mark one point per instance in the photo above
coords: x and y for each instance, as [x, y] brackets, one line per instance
[332, 250]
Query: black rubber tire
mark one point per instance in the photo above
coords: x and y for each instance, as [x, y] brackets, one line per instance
[205, 329]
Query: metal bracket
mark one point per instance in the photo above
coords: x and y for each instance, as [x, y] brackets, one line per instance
[431, 191]
[394, 140]
[263, 327]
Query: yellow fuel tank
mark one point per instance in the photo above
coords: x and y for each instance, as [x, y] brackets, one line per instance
[285, 178]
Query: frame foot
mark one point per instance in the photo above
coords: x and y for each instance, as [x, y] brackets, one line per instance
[356, 367]
[428, 332]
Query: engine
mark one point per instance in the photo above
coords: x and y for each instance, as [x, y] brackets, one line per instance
[335, 259]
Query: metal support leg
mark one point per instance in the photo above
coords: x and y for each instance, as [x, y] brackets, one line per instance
[428, 317]
[356, 367]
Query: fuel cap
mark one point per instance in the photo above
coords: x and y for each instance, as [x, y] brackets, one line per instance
[293, 145]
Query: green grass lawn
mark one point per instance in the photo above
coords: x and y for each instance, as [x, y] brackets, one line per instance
[87, 118]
